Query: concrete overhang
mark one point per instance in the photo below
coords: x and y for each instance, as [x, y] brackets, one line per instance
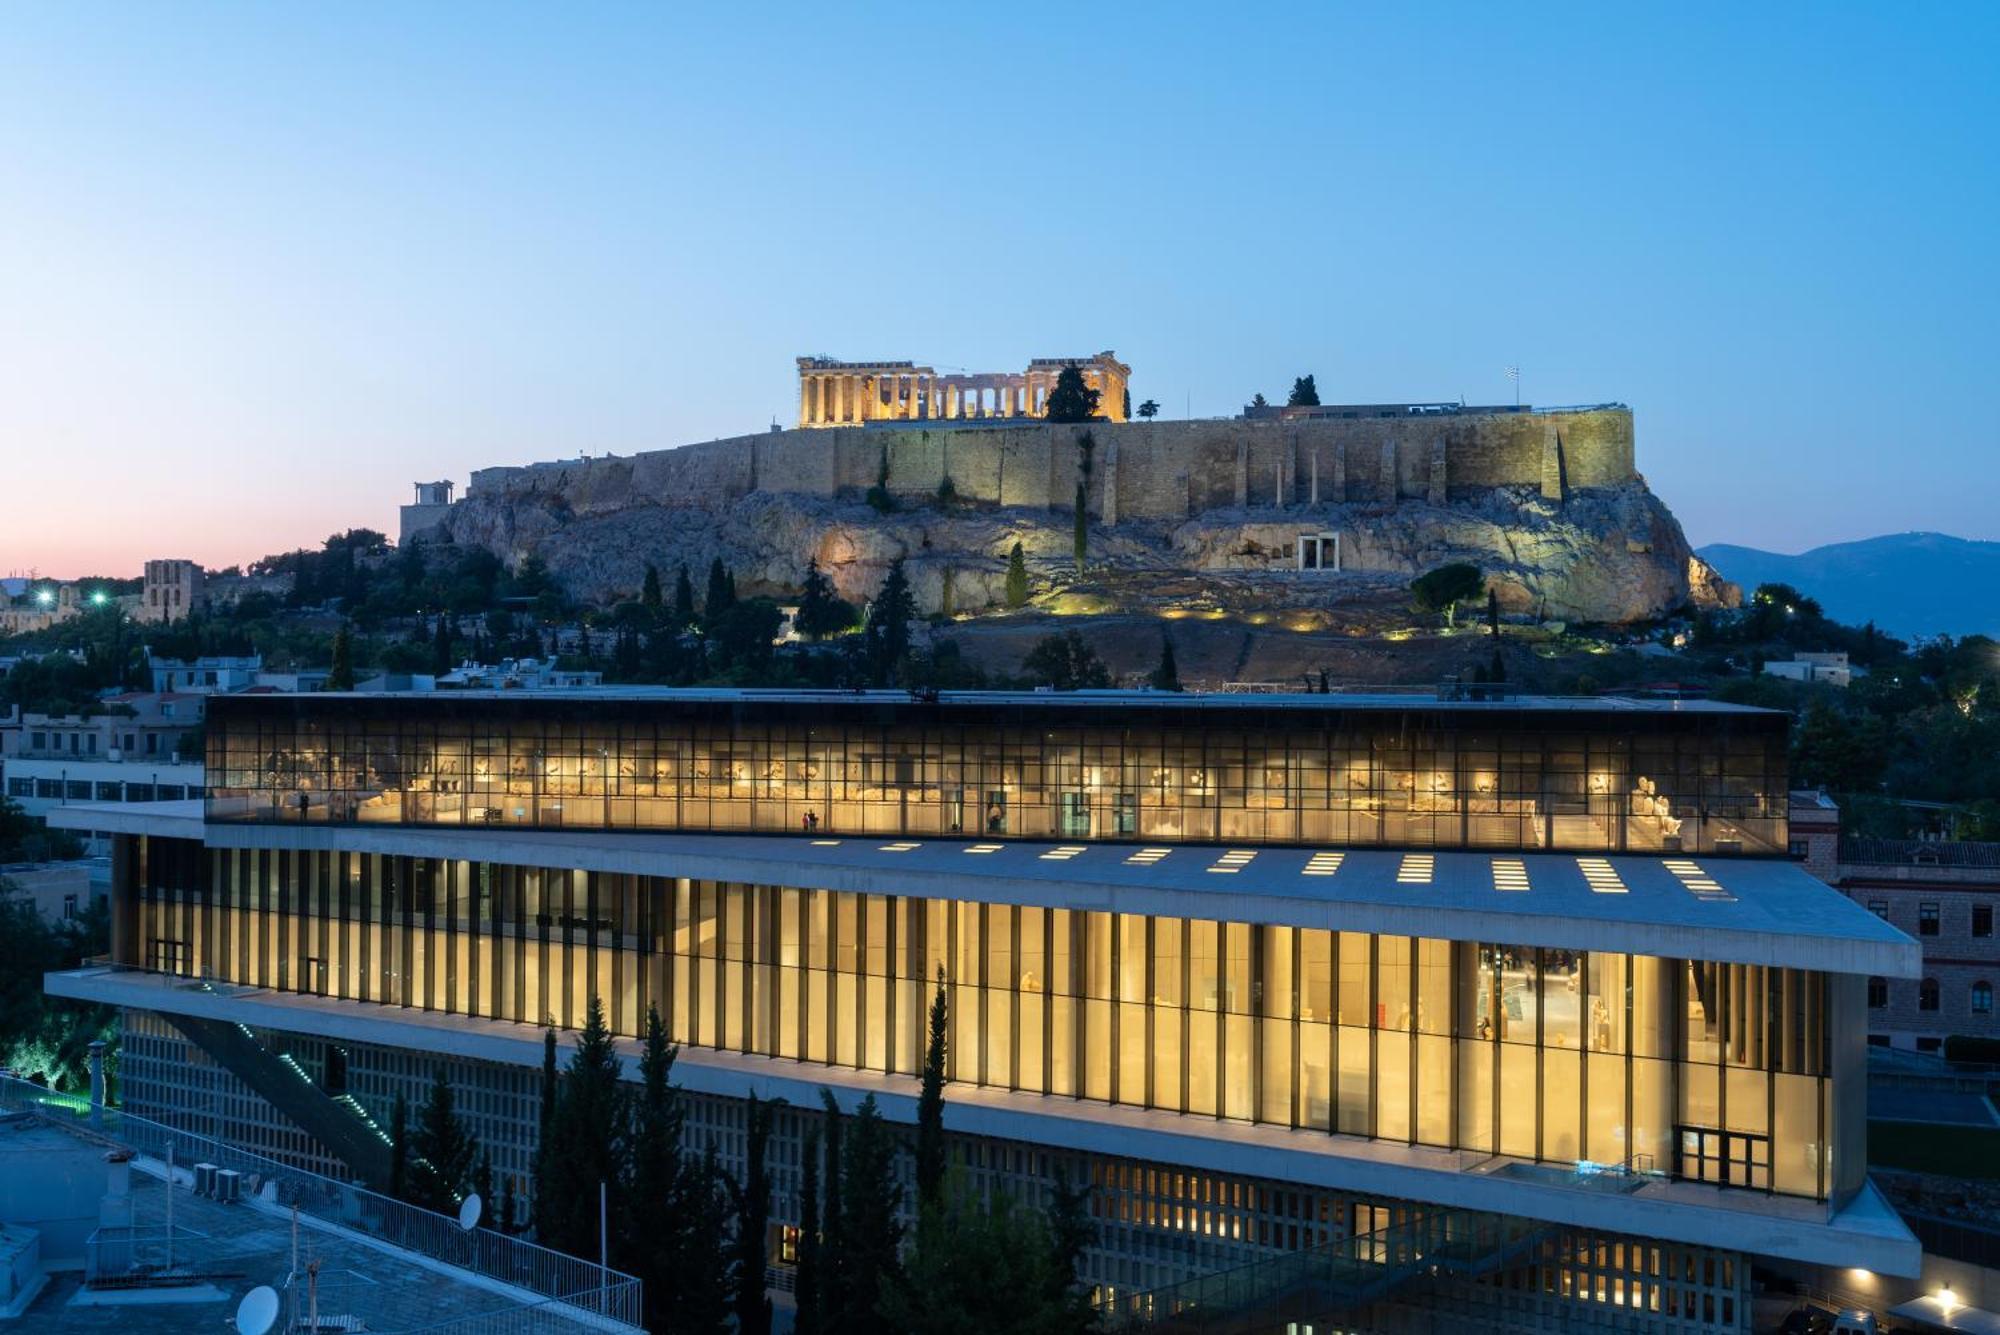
[1866, 1232]
[163, 820]
[1766, 911]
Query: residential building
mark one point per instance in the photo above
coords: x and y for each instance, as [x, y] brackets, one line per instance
[208, 675]
[1534, 977]
[60, 891]
[1827, 669]
[134, 751]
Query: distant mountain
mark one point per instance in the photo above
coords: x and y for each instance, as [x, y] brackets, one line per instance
[1906, 583]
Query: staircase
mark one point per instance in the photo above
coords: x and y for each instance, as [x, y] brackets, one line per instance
[1318, 1285]
[338, 1124]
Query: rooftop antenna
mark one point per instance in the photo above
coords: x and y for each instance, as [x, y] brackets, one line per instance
[1514, 374]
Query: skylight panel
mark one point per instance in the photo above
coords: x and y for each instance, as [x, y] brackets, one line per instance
[1698, 882]
[1417, 869]
[1062, 853]
[1601, 876]
[1146, 857]
[826, 843]
[899, 847]
[1322, 864]
[1510, 874]
[1235, 860]
[982, 848]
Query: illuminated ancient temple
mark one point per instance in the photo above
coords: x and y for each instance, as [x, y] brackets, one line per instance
[837, 393]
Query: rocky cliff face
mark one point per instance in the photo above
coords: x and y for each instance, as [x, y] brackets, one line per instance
[1604, 554]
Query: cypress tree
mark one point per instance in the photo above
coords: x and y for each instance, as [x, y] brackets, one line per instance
[510, 1207]
[683, 599]
[889, 621]
[718, 599]
[930, 1107]
[1017, 577]
[1167, 676]
[705, 1307]
[341, 676]
[649, 591]
[482, 1187]
[1070, 1233]
[753, 1225]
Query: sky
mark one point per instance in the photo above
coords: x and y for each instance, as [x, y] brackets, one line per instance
[264, 267]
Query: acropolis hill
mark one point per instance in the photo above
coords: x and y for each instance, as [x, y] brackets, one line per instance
[1289, 510]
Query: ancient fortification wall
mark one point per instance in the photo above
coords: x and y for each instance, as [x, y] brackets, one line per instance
[1142, 470]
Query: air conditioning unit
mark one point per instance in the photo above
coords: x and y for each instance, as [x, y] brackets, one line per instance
[204, 1179]
[228, 1186]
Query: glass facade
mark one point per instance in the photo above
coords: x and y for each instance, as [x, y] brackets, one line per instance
[1717, 1072]
[1423, 775]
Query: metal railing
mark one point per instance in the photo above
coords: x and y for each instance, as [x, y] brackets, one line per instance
[578, 1285]
[1314, 1284]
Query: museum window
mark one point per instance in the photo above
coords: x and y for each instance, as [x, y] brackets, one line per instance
[1927, 995]
[1927, 919]
[1880, 908]
[1878, 993]
[1982, 920]
[1982, 998]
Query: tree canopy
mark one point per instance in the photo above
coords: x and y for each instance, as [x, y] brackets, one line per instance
[1071, 400]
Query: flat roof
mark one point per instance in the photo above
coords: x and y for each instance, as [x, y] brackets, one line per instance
[1739, 910]
[1079, 700]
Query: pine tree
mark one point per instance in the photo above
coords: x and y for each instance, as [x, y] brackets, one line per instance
[649, 591]
[889, 619]
[705, 1299]
[683, 599]
[1167, 676]
[399, 1149]
[482, 1187]
[589, 1135]
[341, 676]
[1070, 1235]
[1017, 577]
[510, 1207]
[1071, 400]
[1305, 394]
[545, 1125]
[870, 1234]
[442, 1151]
[930, 1107]
[652, 1232]
[753, 1225]
[821, 612]
[806, 1278]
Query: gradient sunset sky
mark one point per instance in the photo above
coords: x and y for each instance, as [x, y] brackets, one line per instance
[262, 267]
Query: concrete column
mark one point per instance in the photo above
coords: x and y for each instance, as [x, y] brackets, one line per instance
[805, 400]
[951, 399]
[96, 1081]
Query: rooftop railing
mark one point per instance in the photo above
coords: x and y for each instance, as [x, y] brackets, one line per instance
[576, 1287]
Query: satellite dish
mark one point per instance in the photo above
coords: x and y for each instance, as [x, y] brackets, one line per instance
[258, 1311]
[468, 1213]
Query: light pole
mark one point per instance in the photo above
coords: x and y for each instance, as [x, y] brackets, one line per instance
[1514, 374]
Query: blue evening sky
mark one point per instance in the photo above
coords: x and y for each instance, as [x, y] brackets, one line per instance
[262, 266]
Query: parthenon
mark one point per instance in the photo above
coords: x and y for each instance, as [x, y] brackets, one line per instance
[837, 393]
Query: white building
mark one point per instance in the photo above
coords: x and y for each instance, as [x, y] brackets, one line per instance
[1828, 669]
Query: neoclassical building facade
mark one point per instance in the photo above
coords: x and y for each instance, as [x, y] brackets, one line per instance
[838, 393]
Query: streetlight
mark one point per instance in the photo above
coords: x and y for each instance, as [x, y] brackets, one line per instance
[98, 598]
[45, 596]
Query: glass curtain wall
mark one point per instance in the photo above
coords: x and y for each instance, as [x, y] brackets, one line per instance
[1634, 781]
[1716, 1072]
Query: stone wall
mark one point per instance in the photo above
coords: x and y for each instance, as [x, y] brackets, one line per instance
[1143, 470]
